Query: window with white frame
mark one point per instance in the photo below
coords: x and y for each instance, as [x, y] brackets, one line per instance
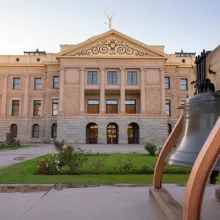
[38, 83]
[132, 78]
[92, 77]
[183, 84]
[112, 77]
[167, 82]
[15, 107]
[56, 80]
[16, 83]
[37, 108]
[168, 109]
[55, 107]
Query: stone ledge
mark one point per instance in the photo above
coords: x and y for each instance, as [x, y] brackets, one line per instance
[217, 194]
[12, 188]
[166, 203]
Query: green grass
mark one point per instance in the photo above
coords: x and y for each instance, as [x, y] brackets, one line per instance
[25, 172]
[12, 148]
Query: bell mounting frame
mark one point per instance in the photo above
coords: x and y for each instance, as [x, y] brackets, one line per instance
[200, 172]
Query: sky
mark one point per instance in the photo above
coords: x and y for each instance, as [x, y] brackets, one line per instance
[190, 25]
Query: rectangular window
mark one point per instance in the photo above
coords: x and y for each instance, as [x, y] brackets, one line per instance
[130, 106]
[132, 78]
[112, 77]
[16, 83]
[168, 109]
[167, 82]
[38, 83]
[183, 84]
[37, 108]
[15, 107]
[92, 77]
[112, 106]
[93, 107]
[55, 107]
[56, 82]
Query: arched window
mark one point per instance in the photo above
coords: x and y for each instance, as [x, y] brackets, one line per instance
[169, 128]
[14, 129]
[54, 131]
[133, 133]
[92, 133]
[112, 133]
[36, 131]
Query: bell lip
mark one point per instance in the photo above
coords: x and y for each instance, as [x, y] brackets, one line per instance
[204, 94]
[187, 165]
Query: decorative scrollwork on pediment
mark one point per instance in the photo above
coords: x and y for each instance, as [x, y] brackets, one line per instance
[37, 94]
[15, 94]
[112, 47]
[168, 93]
[54, 93]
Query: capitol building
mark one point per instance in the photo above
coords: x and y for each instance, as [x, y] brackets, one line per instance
[109, 89]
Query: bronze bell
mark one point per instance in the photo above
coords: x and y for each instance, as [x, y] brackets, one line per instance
[200, 115]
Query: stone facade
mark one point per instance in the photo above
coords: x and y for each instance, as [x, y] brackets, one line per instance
[111, 51]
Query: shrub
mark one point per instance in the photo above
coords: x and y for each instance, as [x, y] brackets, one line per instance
[97, 165]
[13, 143]
[145, 169]
[74, 157]
[49, 165]
[126, 167]
[77, 159]
[151, 148]
[59, 145]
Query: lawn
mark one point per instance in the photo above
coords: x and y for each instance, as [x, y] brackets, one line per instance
[12, 148]
[25, 172]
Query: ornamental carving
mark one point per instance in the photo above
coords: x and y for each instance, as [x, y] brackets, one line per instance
[112, 47]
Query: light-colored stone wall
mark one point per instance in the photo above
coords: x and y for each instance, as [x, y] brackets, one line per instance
[74, 130]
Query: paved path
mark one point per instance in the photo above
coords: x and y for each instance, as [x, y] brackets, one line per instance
[99, 203]
[8, 157]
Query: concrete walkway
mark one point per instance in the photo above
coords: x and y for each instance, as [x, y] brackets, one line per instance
[8, 157]
[99, 203]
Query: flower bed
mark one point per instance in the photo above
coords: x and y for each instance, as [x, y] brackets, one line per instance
[74, 160]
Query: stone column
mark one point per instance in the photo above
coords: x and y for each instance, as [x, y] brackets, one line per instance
[4, 95]
[61, 95]
[142, 91]
[82, 91]
[102, 91]
[26, 96]
[122, 92]
[162, 91]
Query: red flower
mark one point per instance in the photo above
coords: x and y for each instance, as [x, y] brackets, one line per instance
[67, 161]
[142, 167]
[45, 169]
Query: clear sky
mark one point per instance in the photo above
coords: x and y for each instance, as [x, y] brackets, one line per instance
[192, 25]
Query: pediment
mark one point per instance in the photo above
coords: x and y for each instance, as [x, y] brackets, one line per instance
[112, 44]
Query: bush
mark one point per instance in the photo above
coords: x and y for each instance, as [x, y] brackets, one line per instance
[145, 169]
[97, 165]
[77, 158]
[59, 145]
[126, 167]
[13, 143]
[65, 155]
[151, 148]
[49, 165]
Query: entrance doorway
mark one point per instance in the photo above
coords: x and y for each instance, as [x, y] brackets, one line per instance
[92, 133]
[14, 129]
[133, 133]
[112, 133]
